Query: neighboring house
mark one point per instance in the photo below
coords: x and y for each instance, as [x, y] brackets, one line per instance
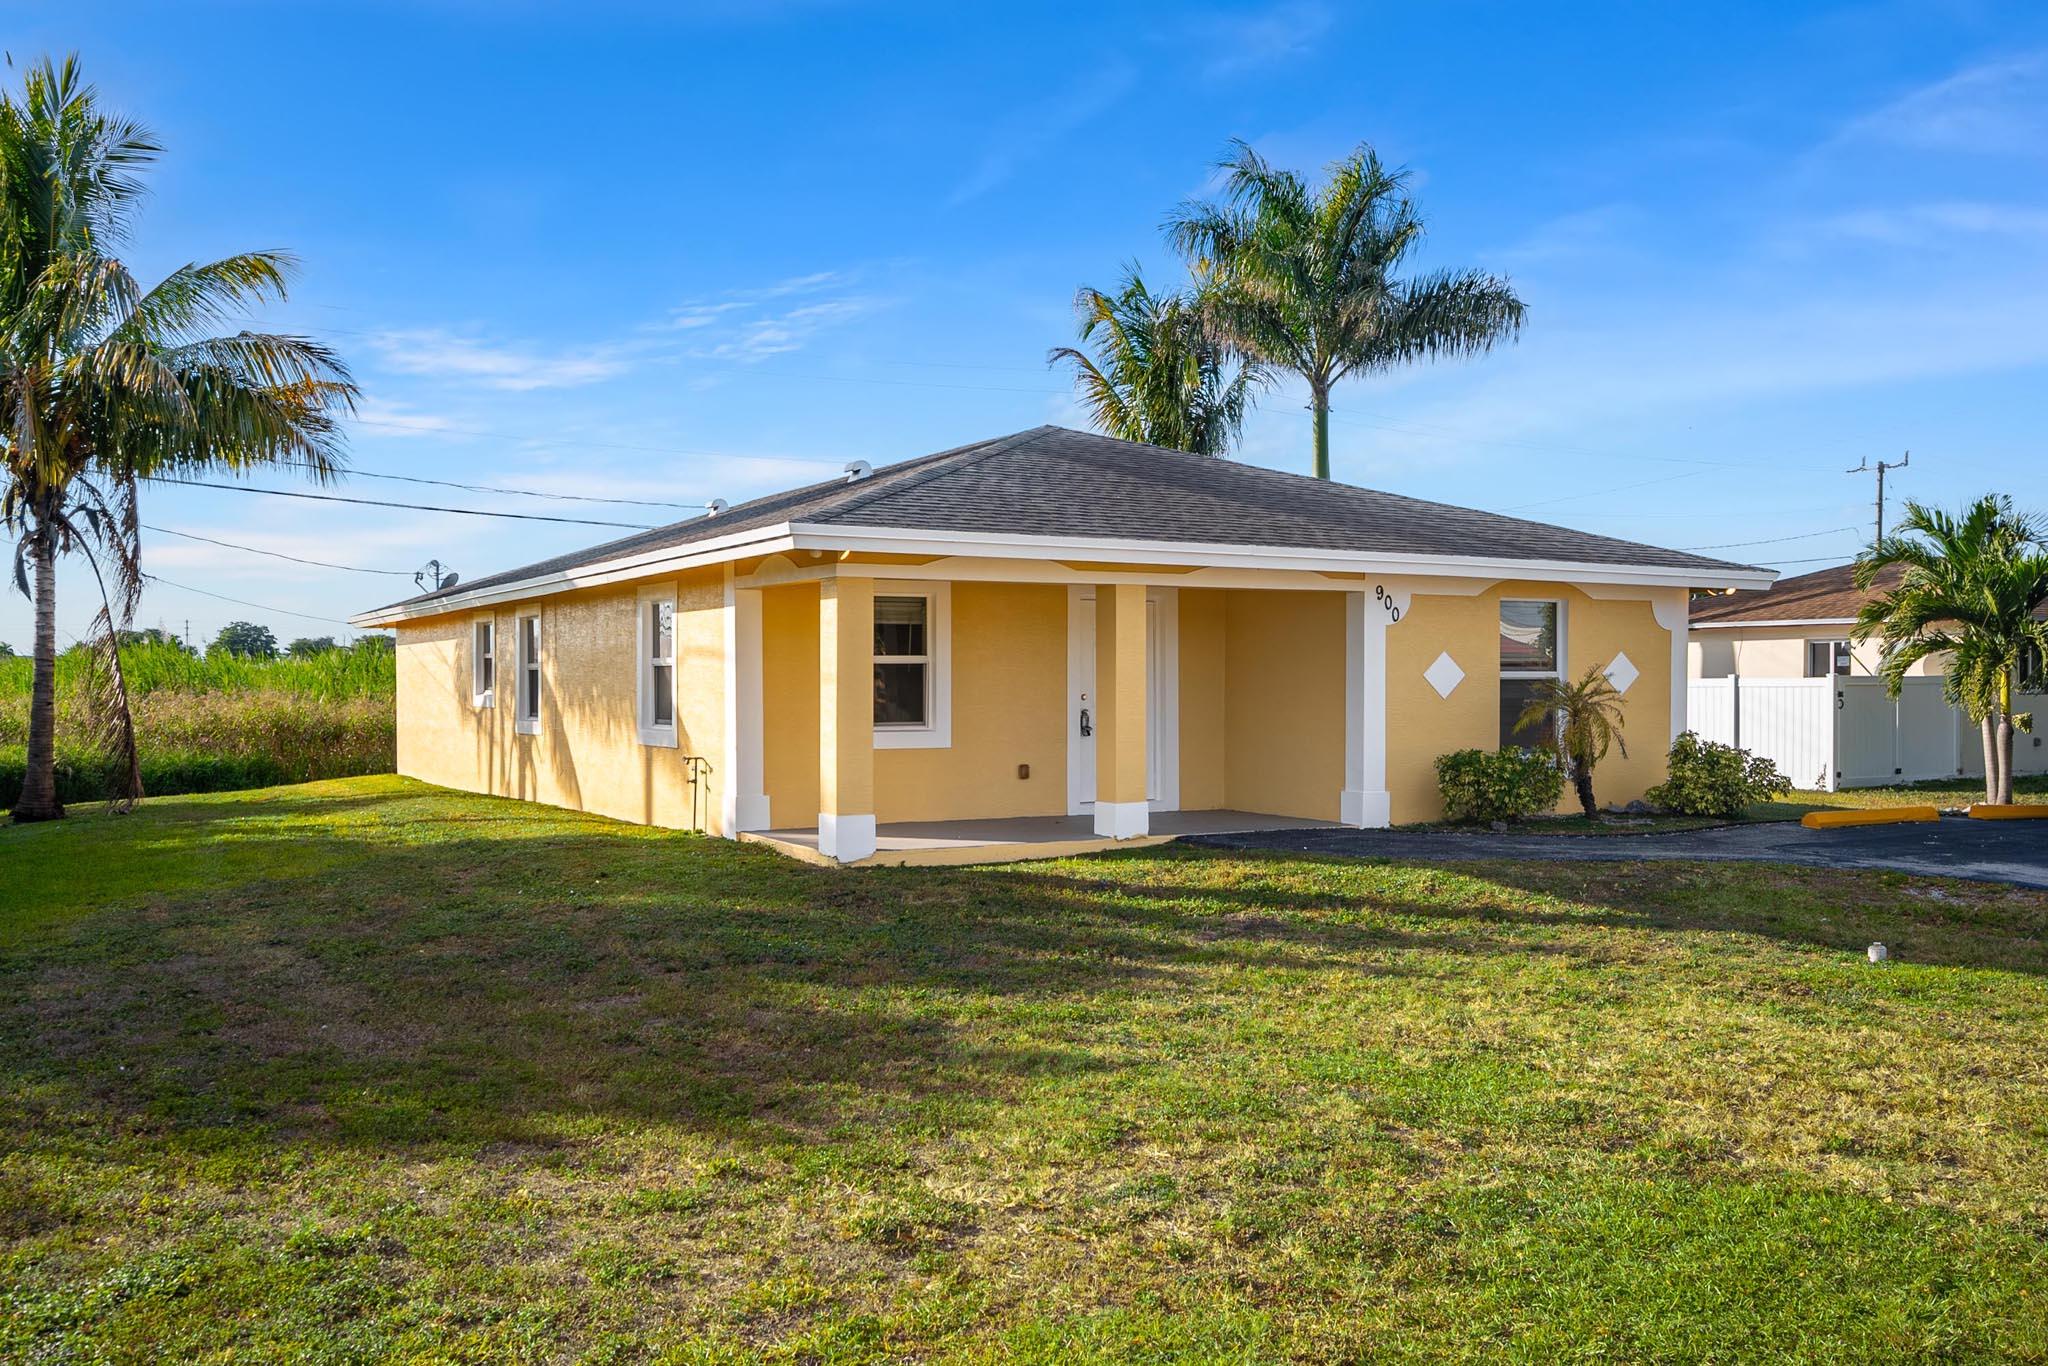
[1057, 627]
[1779, 672]
[1797, 628]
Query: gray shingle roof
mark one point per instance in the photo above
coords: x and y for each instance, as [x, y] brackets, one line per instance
[1052, 481]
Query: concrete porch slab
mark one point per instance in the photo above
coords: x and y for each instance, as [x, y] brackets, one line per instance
[1007, 840]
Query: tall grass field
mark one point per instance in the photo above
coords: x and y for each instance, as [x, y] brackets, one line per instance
[215, 722]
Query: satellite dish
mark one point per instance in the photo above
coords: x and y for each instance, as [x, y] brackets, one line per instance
[715, 506]
[451, 580]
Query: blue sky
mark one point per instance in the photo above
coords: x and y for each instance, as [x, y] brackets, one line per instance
[678, 252]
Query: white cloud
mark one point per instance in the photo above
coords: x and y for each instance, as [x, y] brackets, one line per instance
[1032, 129]
[400, 422]
[742, 326]
[1237, 44]
[441, 354]
[1995, 108]
[1929, 225]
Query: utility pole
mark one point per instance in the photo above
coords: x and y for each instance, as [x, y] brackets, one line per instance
[1864, 467]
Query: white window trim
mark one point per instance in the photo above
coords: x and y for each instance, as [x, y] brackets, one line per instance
[1563, 655]
[659, 735]
[937, 732]
[521, 722]
[486, 697]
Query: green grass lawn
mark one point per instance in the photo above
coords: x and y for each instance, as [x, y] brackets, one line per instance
[363, 1070]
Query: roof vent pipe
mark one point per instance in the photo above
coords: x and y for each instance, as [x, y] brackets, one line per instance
[857, 470]
[715, 506]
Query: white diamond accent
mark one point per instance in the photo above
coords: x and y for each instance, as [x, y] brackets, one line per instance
[1623, 672]
[1444, 675]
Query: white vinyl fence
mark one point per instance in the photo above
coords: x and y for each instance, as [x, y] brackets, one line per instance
[1831, 733]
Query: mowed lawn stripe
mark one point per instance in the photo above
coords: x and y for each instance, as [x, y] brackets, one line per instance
[366, 1069]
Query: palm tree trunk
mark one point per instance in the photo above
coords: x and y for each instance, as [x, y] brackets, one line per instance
[1582, 783]
[1319, 403]
[2005, 758]
[2005, 737]
[38, 800]
[1990, 733]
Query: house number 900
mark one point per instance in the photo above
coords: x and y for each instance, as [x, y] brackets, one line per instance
[1386, 600]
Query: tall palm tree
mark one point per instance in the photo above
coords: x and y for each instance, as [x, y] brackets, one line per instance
[1159, 373]
[104, 383]
[1306, 278]
[1584, 721]
[1973, 585]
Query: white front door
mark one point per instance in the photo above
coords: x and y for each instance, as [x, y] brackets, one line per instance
[1081, 703]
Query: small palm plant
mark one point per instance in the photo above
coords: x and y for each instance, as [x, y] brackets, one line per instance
[1159, 374]
[1581, 721]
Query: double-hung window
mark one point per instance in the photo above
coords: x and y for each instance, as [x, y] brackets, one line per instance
[482, 663]
[1531, 651]
[903, 662]
[913, 694]
[527, 714]
[657, 679]
[1826, 657]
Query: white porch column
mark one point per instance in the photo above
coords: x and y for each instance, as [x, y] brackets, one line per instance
[1673, 609]
[846, 718]
[1367, 616]
[745, 795]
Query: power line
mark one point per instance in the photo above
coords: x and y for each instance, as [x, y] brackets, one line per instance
[1774, 540]
[386, 503]
[523, 493]
[274, 554]
[241, 602]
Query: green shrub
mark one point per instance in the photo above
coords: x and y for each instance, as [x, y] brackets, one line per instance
[1706, 779]
[1498, 785]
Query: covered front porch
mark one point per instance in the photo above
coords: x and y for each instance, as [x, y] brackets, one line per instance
[1016, 838]
[962, 711]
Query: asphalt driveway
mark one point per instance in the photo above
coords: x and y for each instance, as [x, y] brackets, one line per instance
[1988, 851]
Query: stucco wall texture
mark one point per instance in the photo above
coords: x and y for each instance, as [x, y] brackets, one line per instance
[1261, 702]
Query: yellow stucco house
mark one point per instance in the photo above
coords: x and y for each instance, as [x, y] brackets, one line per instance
[1042, 641]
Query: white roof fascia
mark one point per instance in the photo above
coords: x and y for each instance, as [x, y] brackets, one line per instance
[1772, 621]
[892, 540]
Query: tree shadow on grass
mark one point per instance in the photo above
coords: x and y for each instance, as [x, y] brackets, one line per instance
[490, 978]
[472, 974]
[1924, 919]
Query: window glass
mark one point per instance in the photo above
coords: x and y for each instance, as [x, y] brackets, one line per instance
[899, 694]
[481, 658]
[529, 658]
[1825, 657]
[1528, 637]
[899, 626]
[661, 650]
[902, 662]
[1528, 657]
[1515, 694]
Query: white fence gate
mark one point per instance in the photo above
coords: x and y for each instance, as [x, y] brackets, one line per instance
[1830, 733]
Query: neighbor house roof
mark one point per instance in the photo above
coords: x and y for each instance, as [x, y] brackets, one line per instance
[1063, 489]
[1824, 597]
